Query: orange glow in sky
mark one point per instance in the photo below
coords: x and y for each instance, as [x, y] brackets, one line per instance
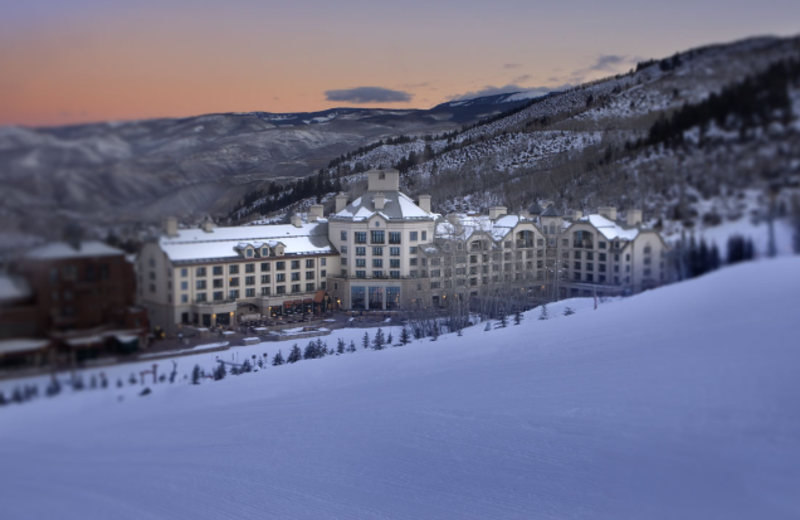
[85, 60]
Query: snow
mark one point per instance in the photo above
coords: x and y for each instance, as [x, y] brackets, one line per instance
[613, 413]
[13, 346]
[610, 229]
[13, 288]
[62, 250]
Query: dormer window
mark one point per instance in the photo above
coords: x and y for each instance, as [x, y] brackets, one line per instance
[249, 253]
[265, 252]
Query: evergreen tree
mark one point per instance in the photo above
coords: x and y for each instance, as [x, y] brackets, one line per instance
[196, 375]
[3, 401]
[568, 311]
[503, 319]
[310, 351]
[543, 313]
[365, 340]
[260, 363]
[172, 374]
[235, 370]
[294, 354]
[54, 388]
[435, 330]
[220, 372]
[352, 347]
[322, 348]
[340, 346]
[132, 379]
[517, 317]
[378, 341]
[77, 383]
[389, 339]
[246, 366]
[278, 359]
[405, 337]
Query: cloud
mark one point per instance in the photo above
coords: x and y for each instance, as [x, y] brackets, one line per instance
[512, 65]
[490, 90]
[521, 79]
[606, 62]
[368, 95]
[415, 85]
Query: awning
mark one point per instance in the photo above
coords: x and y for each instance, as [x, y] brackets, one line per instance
[320, 296]
[308, 300]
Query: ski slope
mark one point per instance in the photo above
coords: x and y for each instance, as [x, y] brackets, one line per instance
[682, 402]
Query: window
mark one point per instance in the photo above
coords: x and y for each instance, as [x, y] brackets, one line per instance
[295, 264]
[602, 245]
[394, 237]
[361, 262]
[280, 266]
[394, 274]
[377, 274]
[323, 273]
[358, 297]
[249, 253]
[218, 283]
[413, 261]
[361, 251]
[295, 277]
[309, 275]
[250, 293]
[249, 268]
[377, 237]
[310, 263]
[184, 286]
[265, 267]
[590, 266]
[377, 251]
[233, 269]
[200, 284]
[217, 270]
[323, 262]
[413, 250]
[249, 280]
[344, 250]
[343, 236]
[264, 278]
[377, 262]
[184, 298]
[265, 252]
[589, 277]
[295, 288]
[540, 242]
[577, 255]
[424, 235]
[281, 289]
[233, 282]
[265, 291]
[589, 255]
[280, 277]
[577, 266]
[361, 274]
[602, 268]
[219, 296]
[184, 272]
[361, 237]
[602, 257]
[628, 257]
[413, 236]
[201, 297]
[201, 271]
[234, 294]
[310, 287]
[565, 242]
[394, 263]
[394, 251]
[377, 223]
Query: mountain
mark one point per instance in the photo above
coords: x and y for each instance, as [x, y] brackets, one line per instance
[680, 402]
[143, 170]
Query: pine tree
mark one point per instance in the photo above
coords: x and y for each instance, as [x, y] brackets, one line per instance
[294, 354]
[246, 366]
[517, 317]
[196, 375]
[503, 319]
[352, 347]
[340, 346]
[260, 363]
[543, 313]
[77, 383]
[378, 341]
[435, 330]
[405, 337]
[278, 359]
[220, 372]
[365, 340]
[568, 311]
[389, 339]
[132, 380]
[311, 351]
[172, 374]
[54, 388]
[322, 348]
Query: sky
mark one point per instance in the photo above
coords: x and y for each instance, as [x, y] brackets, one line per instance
[72, 61]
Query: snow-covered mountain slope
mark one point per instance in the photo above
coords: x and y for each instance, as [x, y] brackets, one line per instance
[677, 403]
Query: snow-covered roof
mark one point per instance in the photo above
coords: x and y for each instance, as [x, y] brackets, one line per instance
[17, 345]
[13, 288]
[397, 206]
[471, 224]
[193, 245]
[63, 250]
[610, 229]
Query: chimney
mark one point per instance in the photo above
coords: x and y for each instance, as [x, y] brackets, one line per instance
[315, 212]
[378, 200]
[171, 227]
[425, 203]
[495, 212]
[610, 212]
[341, 202]
[297, 221]
[577, 215]
[207, 225]
[634, 217]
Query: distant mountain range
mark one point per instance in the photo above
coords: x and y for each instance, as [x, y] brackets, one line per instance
[146, 169]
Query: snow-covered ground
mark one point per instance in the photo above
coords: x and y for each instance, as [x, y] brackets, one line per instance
[678, 403]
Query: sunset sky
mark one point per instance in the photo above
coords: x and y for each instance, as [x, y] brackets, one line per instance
[71, 61]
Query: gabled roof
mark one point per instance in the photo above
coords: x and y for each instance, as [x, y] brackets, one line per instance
[551, 211]
[469, 225]
[222, 243]
[610, 229]
[396, 206]
[535, 209]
